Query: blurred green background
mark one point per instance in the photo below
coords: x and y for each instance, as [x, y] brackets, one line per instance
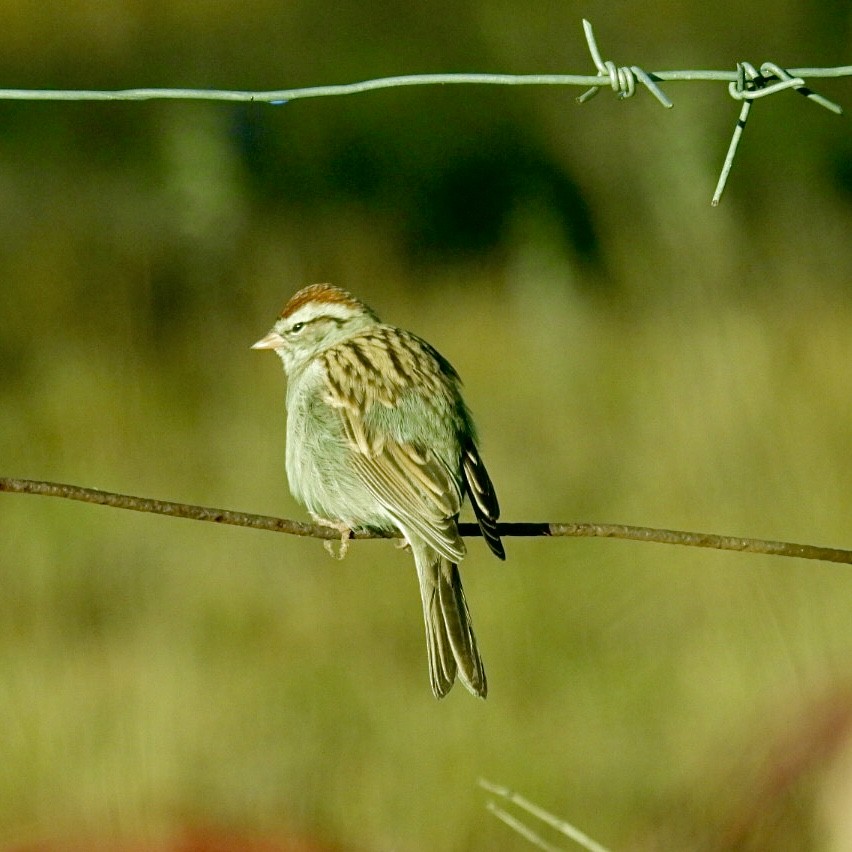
[631, 354]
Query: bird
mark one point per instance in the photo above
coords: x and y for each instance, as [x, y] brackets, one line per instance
[379, 438]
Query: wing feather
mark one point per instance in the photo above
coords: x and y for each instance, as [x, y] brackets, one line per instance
[415, 509]
[368, 377]
[483, 498]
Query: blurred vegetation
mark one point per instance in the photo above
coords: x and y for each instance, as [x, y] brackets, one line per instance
[631, 354]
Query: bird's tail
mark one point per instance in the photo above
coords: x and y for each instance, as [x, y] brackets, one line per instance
[450, 642]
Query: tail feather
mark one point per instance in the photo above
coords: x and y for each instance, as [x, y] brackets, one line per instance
[450, 642]
[460, 630]
[442, 666]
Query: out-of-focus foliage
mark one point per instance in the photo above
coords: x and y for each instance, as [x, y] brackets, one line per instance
[631, 354]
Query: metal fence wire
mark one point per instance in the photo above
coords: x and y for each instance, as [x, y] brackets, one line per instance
[746, 84]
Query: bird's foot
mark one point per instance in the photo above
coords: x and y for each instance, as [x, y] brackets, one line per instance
[345, 537]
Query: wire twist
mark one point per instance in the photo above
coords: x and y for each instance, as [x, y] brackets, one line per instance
[751, 84]
[622, 78]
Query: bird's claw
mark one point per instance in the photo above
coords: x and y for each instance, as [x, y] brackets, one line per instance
[345, 537]
[342, 547]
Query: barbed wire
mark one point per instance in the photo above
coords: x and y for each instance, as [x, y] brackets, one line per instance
[518, 529]
[746, 83]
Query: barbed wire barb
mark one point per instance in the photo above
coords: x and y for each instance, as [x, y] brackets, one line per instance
[622, 79]
[520, 529]
[787, 80]
[751, 84]
[736, 89]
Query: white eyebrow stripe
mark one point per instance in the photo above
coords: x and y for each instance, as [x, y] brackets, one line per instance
[308, 313]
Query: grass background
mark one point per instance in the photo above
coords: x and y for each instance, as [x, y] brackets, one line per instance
[631, 355]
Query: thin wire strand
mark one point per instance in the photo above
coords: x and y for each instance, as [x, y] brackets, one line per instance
[608, 75]
[279, 96]
[622, 79]
[520, 529]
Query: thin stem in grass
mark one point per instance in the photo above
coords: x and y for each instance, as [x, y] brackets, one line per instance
[560, 825]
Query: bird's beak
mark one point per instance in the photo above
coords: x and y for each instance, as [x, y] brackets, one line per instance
[273, 340]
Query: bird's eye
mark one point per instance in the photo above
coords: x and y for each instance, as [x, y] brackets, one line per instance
[297, 327]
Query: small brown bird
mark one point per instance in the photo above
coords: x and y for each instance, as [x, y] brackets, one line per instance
[379, 437]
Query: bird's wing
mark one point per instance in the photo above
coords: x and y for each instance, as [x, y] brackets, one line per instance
[418, 492]
[368, 379]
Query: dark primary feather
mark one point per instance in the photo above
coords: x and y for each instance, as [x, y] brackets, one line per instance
[483, 498]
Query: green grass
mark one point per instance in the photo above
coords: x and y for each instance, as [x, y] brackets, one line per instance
[156, 673]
